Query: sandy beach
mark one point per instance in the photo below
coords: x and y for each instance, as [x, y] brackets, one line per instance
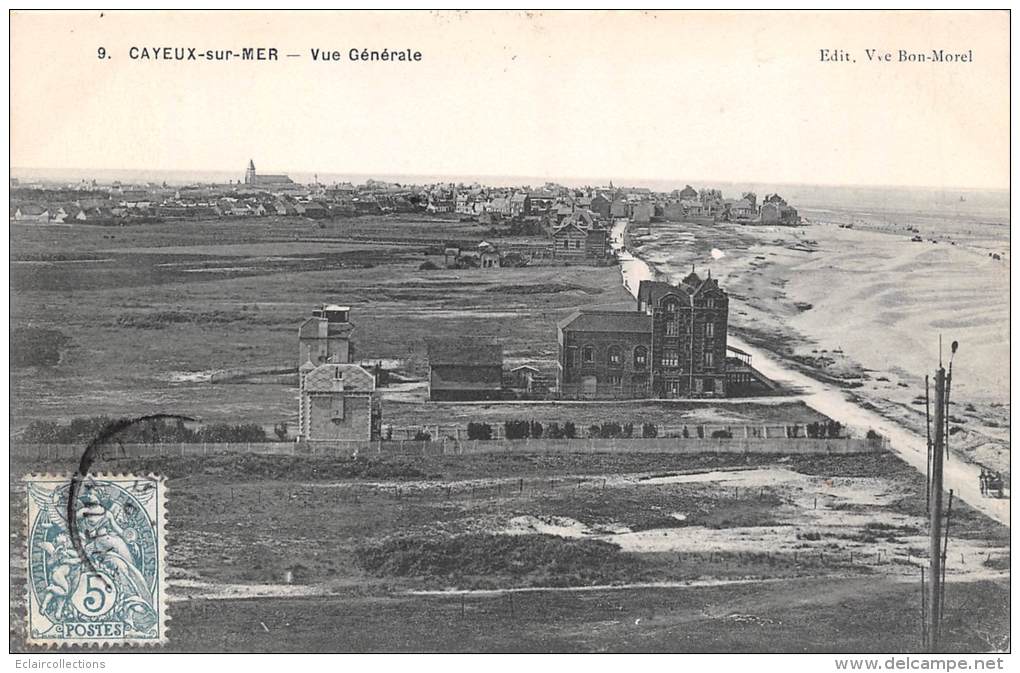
[863, 307]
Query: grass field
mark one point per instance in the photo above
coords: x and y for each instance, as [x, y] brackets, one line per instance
[141, 313]
[598, 553]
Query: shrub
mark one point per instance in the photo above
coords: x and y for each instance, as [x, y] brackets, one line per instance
[422, 435]
[649, 430]
[701, 432]
[536, 429]
[873, 436]
[517, 429]
[280, 430]
[479, 431]
[224, 432]
[611, 430]
[554, 431]
[722, 434]
[427, 265]
[569, 430]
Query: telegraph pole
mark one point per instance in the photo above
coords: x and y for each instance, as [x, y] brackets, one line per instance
[935, 514]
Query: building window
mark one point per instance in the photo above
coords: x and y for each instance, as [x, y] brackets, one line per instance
[566, 245]
[708, 359]
[670, 305]
[640, 357]
[709, 330]
[710, 303]
[672, 328]
[588, 355]
[669, 358]
[616, 381]
[615, 356]
[571, 358]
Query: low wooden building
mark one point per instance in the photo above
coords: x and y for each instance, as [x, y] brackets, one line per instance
[465, 369]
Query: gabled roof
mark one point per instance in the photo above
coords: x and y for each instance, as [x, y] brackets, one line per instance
[607, 321]
[650, 292]
[567, 224]
[465, 351]
[325, 378]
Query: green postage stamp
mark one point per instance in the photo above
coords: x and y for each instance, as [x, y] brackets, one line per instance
[110, 587]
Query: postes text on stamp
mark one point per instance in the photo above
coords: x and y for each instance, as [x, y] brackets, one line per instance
[113, 595]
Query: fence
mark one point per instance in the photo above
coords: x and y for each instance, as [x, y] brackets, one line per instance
[756, 432]
[681, 446]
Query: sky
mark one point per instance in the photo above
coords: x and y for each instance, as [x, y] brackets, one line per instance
[735, 96]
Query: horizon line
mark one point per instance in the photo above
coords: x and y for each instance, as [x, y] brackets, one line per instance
[547, 179]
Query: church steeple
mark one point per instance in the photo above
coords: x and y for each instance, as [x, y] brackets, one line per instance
[249, 175]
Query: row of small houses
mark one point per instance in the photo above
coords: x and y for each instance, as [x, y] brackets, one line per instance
[640, 206]
[223, 208]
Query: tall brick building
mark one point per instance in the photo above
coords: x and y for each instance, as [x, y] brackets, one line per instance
[673, 345]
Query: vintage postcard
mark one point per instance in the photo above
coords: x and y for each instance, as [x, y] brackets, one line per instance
[511, 331]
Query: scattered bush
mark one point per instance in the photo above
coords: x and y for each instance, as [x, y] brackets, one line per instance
[479, 431]
[821, 430]
[517, 429]
[483, 554]
[611, 430]
[536, 429]
[428, 265]
[280, 430]
[156, 431]
[36, 347]
[649, 430]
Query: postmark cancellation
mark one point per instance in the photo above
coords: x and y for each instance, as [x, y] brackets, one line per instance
[111, 588]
